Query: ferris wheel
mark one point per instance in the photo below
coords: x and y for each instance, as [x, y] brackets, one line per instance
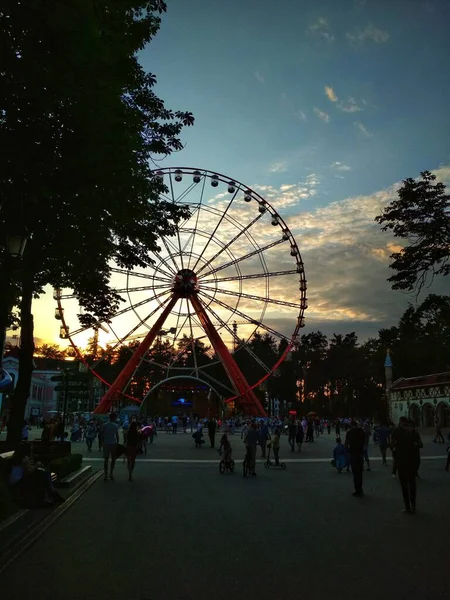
[231, 276]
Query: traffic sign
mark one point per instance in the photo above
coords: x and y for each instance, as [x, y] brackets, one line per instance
[71, 388]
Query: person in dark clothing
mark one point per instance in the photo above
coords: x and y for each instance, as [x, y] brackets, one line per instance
[133, 439]
[406, 442]
[212, 426]
[354, 442]
[292, 430]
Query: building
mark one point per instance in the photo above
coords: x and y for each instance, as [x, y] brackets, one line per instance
[45, 397]
[42, 398]
[421, 399]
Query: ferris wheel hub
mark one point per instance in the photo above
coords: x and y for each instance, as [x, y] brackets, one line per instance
[185, 283]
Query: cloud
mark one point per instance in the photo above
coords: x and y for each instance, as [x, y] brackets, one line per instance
[362, 129]
[330, 94]
[321, 28]
[301, 115]
[259, 77]
[339, 166]
[351, 106]
[370, 33]
[322, 115]
[278, 167]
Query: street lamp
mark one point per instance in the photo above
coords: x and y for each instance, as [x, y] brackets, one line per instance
[15, 243]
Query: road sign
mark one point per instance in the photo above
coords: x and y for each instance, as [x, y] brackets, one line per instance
[71, 388]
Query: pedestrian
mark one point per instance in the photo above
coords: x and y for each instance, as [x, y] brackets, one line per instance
[251, 440]
[110, 441]
[299, 434]
[174, 423]
[381, 437]
[25, 431]
[275, 443]
[337, 427]
[263, 437]
[406, 442]
[354, 442]
[100, 436]
[438, 435]
[212, 426]
[340, 456]
[329, 427]
[90, 435]
[133, 438]
[367, 435]
[292, 430]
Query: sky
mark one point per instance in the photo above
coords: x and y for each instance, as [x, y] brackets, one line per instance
[323, 108]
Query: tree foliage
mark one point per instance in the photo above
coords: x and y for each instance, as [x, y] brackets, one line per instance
[81, 125]
[420, 216]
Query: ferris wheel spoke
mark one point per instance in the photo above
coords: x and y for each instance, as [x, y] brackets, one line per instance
[168, 243]
[206, 375]
[236, 311]
[143, 288]
[257, 298]
[228, 244]
[230, 263]
[196, 221]
[252, 276]
[222, 216]
[178, 230]
[123, 311]
[143, 275]
[166, 264]
[194, 354]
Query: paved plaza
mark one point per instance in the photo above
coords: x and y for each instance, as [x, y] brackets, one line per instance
[181, 530]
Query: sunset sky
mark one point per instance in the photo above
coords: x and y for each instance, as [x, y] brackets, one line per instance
[323, 108]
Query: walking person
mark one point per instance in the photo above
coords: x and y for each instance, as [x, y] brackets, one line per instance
[381, 437]
[212, 426]
[406, 442]
[100, 436]
[292, 430]
[367, 435]
[133, 439]
[299, 435]
[90, 435]
[438, 433]
[275, 443]
[174, 423]
[110, 441]
[263, 437]
[354, 442]
[251, 440]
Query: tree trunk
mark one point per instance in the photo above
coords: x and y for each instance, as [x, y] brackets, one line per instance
[6, 302]
[22, 391]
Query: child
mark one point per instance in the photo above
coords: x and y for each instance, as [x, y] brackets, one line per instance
[275, 444]
[340, 455]
[198, 435]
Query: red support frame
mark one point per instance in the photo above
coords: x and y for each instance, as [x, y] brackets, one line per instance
[247, 398]
[128, 370]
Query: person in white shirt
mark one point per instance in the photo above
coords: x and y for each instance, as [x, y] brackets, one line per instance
[110, 441]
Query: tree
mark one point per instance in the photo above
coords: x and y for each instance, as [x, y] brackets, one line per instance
[81, 124]
[52, 351]
[421, 216]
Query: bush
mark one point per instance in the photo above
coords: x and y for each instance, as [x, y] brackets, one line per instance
[65, 465]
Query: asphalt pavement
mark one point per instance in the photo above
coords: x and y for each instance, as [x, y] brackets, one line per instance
[181, 530]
